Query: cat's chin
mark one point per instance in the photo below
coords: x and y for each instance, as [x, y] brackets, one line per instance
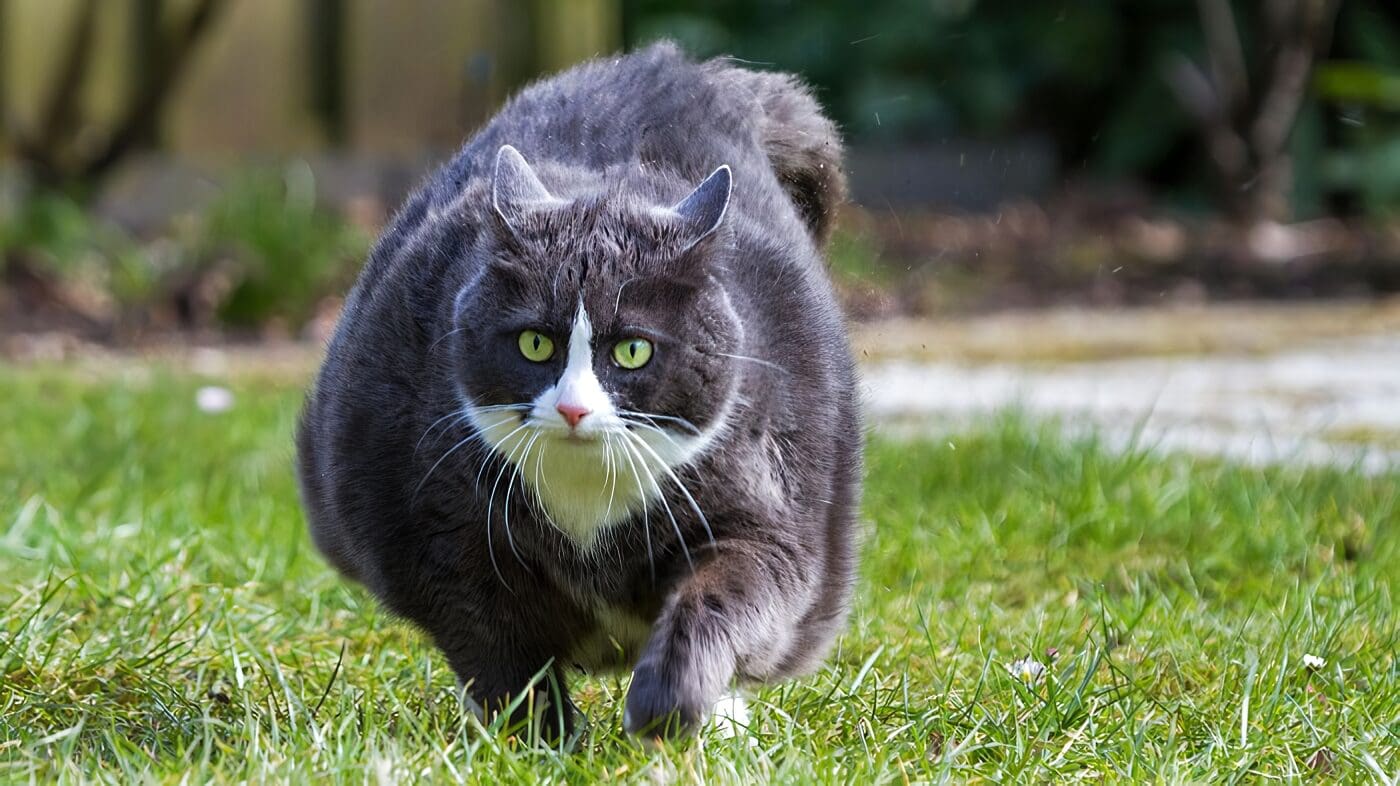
[584, 483]
[590, 440]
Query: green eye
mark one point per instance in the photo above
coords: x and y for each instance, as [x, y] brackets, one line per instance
[632, 352]
[535, 346]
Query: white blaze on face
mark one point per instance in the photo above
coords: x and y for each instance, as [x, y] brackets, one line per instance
[577, 394]
[597, 470]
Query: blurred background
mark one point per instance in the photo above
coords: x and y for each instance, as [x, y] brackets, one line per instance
[218, 168]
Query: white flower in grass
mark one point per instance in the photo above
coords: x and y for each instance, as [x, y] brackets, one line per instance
[1314, 662]
[1026, 669]
[213, 399]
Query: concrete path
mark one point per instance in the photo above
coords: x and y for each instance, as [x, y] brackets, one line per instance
[1331, 402]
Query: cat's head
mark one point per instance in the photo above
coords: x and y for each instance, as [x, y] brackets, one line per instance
[595, 349]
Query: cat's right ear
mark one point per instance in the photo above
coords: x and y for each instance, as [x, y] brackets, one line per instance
[516, 190]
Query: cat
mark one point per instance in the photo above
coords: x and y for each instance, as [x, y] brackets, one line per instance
[591, 402]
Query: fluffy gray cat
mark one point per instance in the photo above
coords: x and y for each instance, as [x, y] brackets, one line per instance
[591, 403]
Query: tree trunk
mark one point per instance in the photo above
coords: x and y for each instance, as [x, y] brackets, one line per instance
[147, 56]
[325, 33]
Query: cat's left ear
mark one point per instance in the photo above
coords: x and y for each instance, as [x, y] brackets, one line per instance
[703, 210]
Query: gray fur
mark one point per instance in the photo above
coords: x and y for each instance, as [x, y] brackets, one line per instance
[405, 497]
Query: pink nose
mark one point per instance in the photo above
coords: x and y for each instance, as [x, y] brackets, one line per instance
[572, 413]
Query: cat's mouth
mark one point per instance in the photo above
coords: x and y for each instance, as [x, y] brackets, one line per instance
[564, 434]
[590, 431]
[579, 437]
[649, 440]
[573, 437]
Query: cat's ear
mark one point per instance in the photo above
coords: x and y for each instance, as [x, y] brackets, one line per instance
[516, 189]
[703, 210]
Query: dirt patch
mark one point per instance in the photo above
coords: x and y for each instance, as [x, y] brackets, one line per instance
[1072, 335]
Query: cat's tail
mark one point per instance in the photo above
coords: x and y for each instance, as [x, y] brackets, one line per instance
[803, 146]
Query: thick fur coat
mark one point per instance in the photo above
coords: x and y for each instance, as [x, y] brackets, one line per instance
[482, 451]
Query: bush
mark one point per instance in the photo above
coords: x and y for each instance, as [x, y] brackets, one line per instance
[52, 238]
[277, 251]
[1087, 76]
[262, 253]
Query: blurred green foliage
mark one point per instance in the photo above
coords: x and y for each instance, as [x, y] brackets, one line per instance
[285, 253]
[57, 237]
[262, 251]
[1089, 75]
[1361, 88]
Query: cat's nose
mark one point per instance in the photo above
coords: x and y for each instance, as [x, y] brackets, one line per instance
[572, 413]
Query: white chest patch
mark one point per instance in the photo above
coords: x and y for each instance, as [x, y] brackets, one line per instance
[601, 467]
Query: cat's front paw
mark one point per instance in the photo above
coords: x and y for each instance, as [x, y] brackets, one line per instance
[663, 705]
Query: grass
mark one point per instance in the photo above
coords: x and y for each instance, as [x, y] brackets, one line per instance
[163, 617]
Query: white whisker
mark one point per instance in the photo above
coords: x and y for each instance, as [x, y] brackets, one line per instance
[444, 337]
[450, 451]
[486, 460]
[646, 518]
[510, 487]
[535, 489]
[609, 474]
[656, 487]
[554, 287]
[759, 361]
[498, 407]
[649, 416]
[705, 522]
[466, 413]
[617, 303]
[657, 429]
[490, 507]
[459, 413]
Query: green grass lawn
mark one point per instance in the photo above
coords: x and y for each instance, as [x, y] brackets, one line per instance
[163, 616]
